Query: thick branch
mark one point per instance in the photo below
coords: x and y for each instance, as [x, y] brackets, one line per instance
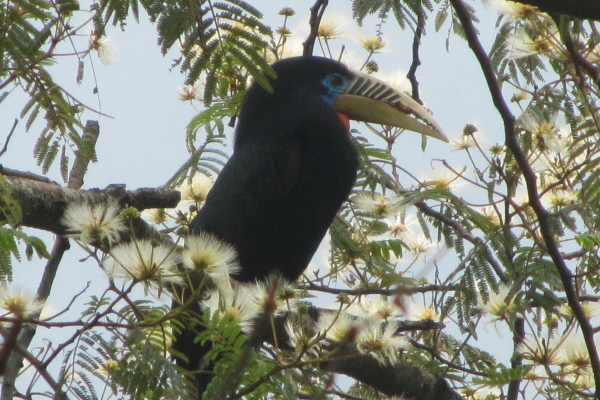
[43, 203]
[399, 379]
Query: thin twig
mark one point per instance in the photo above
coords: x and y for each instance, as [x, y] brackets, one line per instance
[448, 363]
[416, 61]
[68, 307]
[316, 13]
[463, 233]
[12, 130]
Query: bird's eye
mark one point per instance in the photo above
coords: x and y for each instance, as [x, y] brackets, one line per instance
[334, 84]
[336, 80]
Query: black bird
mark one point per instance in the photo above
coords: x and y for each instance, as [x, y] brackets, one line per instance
[293, 165]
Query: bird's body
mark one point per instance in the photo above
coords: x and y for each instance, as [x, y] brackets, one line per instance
[293, 165]
[290, 171]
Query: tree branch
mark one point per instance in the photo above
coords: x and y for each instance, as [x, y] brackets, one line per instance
[416, 61]
[12, 130]
[43, 203]
[402, 379]
[512, 143]
[89, 139]
[399, 379]
[316, 13]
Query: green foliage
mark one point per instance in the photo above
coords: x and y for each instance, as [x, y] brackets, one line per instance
[128, 365]
[223, 40]
[29, 31]
[502, 376]
[228, 351]
[207, 159]
[9, 242]
[405, 11]
[373, 175]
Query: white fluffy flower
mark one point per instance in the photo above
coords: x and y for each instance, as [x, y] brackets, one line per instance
[445, 179]
[548, 44]
[381, 342]
[217, 259]
[271, 301]
[499, 305]
[18, 301]
[419, 244]
[573, 352]
[559, 198]
[464, 142]
[420, 312]
[104, 46]
[539, 351]
[382, 309]
[513, 10]
[400, 225]
[197, 189]
[377, 204]
[143, 261]
[94, 222]
[590, 309]
[372, 44]
[238, 306]
[336, 326]
[155, 216]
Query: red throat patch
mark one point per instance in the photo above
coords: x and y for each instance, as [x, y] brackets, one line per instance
[345, 120]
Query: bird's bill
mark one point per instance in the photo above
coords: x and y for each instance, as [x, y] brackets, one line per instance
[368, 99]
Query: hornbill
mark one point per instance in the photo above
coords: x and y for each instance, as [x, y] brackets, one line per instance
[293, 165]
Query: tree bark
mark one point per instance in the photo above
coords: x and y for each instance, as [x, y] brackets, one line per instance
[43, 202]
[400, 379]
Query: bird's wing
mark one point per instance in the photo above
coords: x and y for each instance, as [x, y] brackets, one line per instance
[243, 209]
[246, 206]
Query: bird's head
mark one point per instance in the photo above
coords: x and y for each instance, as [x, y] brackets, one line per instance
[321, 83]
